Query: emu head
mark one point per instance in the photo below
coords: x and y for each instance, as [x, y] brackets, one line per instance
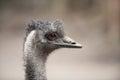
[50, 35]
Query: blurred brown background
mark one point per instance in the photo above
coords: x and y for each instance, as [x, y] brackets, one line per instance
[94, 23]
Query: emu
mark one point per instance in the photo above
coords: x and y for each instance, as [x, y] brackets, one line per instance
[43, 37]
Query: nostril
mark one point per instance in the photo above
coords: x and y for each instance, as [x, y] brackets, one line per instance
[73, 43]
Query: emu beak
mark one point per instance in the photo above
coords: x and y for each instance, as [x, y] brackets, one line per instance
[69, 43]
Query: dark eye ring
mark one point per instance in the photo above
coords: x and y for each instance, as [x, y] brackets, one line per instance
[51, 36]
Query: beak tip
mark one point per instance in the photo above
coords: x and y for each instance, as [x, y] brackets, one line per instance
[79, 45]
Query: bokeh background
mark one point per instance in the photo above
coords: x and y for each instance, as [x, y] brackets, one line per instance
[93, 23]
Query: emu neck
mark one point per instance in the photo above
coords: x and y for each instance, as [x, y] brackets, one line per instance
[35, 59]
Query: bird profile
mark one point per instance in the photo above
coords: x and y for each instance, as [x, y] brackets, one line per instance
[43, 37]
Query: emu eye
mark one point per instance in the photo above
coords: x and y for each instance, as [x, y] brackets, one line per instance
[51, 36]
